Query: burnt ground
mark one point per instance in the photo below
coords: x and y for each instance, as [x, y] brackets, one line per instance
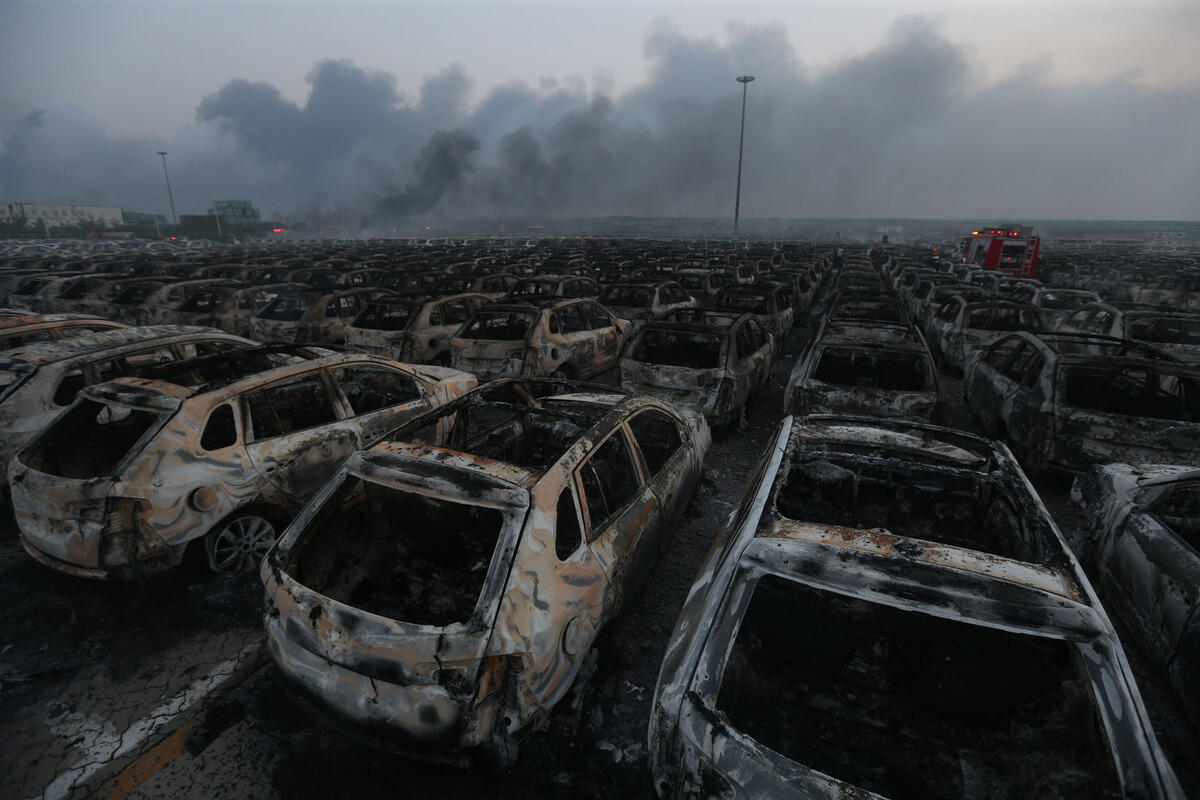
[93, 675]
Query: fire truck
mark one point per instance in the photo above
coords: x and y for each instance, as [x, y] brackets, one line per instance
[1009, 248]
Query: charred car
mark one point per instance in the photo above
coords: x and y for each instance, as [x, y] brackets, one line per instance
[222, 449]
[865, 367]
[1176, 332]
[310, 315]
[20, 331]
[445, 588]
[638, 302]
[1143, 537]
[559, 338]
[772, 304]
[415, 330]
[40, 380]
[890, 611]
[712, 368]
[961, 326]
[1066, 401]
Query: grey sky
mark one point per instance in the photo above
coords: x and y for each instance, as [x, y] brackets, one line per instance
[115, 78]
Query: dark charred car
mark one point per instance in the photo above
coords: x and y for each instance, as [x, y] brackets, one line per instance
[445, 588]
[1173, 331]
[701, 284]
[543, 287]
[38, 381]
[1066, 401]
[638, 302]
[770, 303]
[890, 611]
[414, 330]
[35, 328]
[1056, 304]
[1143, 538]
[559, 338]
[711, 368]
[961, 326]
[310, 315]
[223, 449]
[865, 367]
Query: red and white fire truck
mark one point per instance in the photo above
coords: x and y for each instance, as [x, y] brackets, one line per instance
[1009, 248]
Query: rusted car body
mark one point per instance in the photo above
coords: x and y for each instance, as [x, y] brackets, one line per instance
[444, 589]
[1143, 538]
[222, 448]
[890, 611]
[865, 367]
[1066, 401]
[310, 315]
[232, 312]
[27, 292]
[711, 368]
[962, 326]
[127, 304]
[40, 380]
[559, 338]
[413, 330]
[35, 328]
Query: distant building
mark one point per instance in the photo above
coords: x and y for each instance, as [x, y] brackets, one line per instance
[235, 212]
[140, 218]
[54, 215]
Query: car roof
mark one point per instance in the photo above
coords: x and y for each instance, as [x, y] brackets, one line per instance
[62, 349]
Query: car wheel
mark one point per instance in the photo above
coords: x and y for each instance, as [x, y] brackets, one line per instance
[563, 373]
[238, 544]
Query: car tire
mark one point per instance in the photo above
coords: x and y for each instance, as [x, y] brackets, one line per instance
[237, 545]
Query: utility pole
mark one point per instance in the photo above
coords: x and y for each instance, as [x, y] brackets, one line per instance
[171, 197]
[737, 203]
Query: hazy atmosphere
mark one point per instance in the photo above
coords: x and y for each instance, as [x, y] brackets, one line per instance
[390, 111]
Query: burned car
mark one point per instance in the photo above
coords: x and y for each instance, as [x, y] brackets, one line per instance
[415, 330]
[222, 449]
[890, 611]
[772, 304]
[712, 368]
[38, 381]
[1143, 537]
[865, 367]
[1066, 401]
[559, 338]
[961, 326]
[638, 302]
[310, 315]
[1176, 332]
[445, 588]
[20, 331]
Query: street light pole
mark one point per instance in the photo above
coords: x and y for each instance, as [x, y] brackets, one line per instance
[171, 197]
[737, 203]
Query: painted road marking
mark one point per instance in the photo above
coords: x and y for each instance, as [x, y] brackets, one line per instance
[102, 745]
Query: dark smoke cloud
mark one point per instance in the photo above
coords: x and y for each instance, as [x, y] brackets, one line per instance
[905, 129]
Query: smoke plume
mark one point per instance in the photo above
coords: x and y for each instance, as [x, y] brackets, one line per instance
[906, 129]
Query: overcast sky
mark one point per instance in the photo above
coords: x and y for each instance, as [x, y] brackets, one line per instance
[1069, 109]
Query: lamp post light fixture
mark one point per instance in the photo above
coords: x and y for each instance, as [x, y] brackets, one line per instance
[171, 197]
[737, 202]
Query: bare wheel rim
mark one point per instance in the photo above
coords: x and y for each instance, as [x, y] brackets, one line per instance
[239, 545]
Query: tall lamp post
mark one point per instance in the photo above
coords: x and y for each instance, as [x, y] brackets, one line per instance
[737, 203]
[171, 197]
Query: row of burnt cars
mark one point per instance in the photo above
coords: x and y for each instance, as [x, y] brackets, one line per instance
[888, 609]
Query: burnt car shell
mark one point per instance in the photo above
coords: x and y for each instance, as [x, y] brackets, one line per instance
[908, 731]
[484, 625]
